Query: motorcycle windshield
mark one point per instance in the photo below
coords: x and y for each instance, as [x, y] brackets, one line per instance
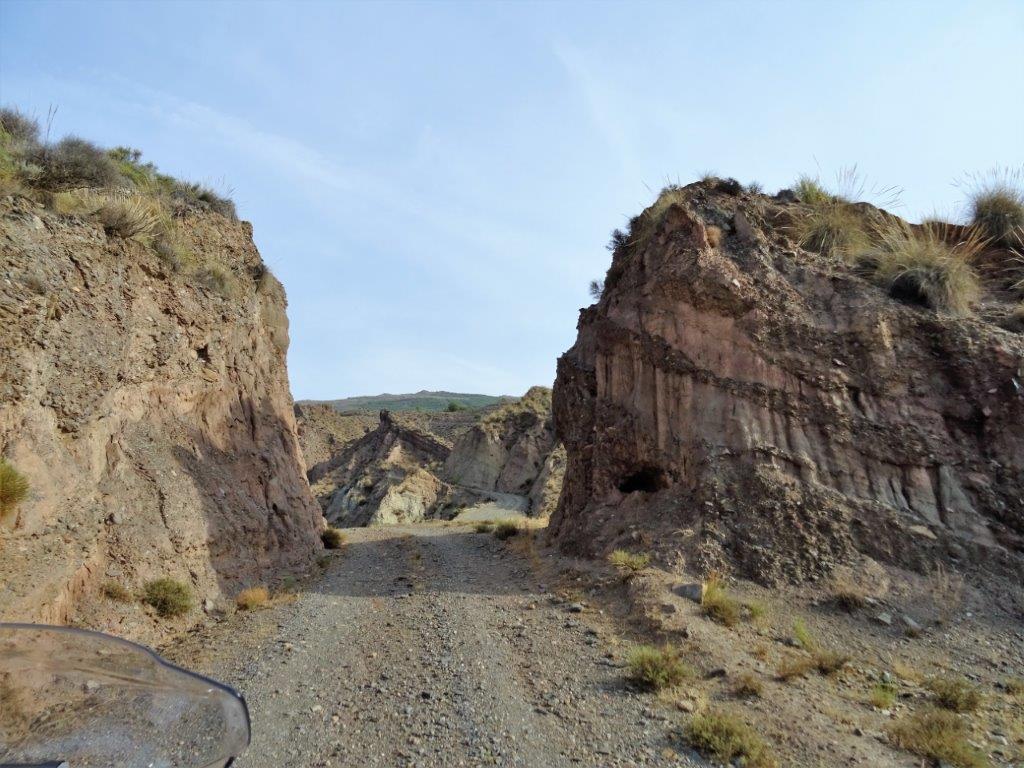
[94, 700]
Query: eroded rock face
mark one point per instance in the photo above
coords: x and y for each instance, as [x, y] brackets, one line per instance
[151, 415]
[385, 477]
[755, 407]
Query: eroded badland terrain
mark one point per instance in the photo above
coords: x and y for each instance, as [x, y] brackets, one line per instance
[771, 513]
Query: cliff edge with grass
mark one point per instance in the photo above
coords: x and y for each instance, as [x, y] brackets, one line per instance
[773, 386]
[144, 403]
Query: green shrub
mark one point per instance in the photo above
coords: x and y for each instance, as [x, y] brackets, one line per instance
[333, 538]
[506, 529]
[656, 668]
[725, 737]
[16, 126]
[75, 162]
[954, 694]
[920, 266]
[812, 192]
[997, 205]
[14, 488]
[803, 637]
[455, 407]
[882, 696]
[634, 562]
[937, 735]
[169, 597]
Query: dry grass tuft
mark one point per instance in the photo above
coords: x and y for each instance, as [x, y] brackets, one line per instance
[747, 685]
[656, 669]
[937, 735]
[725, 737]
[919, 266]
[718, 604]
[996, 201]
[632, 562]
[954, 694]
[483, 527]
[831, 227]
[169, 597]
[714, 235]
[506, 529]
[252, 598]
[847, 595]
[133, 218]
[882, 695]
[14, 488]
[793, 668]
[112, 590]
[333, 538]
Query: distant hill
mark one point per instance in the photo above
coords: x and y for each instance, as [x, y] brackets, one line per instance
[419, 401]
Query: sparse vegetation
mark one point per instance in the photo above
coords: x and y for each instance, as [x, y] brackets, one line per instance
[596, 288]
[824, 660]
[14, 488]
[831, 227]
[812, 192]
[919, 266]
[252, 598]
[997, 205]
[218, 279]
[847, 595]
[718, 604]
[794, 667]
[747, 685]
[632, 562]
[506, 529]
[333, 538]
[954, 694]
[937, 735]
[135, 218]
[115, 591]
[454, 406]
[483, 527]
[656, 669]
[1015, 687]
[725, 737]
[169, 597]
[803, 637]
[882, 695]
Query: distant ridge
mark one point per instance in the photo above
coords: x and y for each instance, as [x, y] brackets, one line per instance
[418, 401]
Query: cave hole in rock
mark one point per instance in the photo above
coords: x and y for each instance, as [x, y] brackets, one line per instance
[908, 289]
[646, 479]
[203, 353]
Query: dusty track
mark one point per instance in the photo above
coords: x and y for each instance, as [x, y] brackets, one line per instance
[434, 646]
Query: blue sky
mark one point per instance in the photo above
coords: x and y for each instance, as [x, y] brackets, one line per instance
[435, 182]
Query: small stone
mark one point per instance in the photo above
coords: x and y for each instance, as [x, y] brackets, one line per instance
[884, 618]
[922, 530]
[575, 608]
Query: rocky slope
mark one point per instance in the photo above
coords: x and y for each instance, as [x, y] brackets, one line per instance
[148, 405]
[736, 402]
[409, 468]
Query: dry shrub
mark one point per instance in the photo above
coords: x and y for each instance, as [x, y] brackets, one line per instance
[918, 265]
[656, 669]
[954, 694]
[333, 538]
[725, 737]
[882, 696]
[112, 590]
[216, 278]
[506, 529]
[252, 598]
[75, 162]
[483, 527]
[848, 595]
[747, 685]
[946, 590]
[937, 735]
[832, 228]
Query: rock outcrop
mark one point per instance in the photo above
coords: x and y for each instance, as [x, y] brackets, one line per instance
[735, 402]
[504, 460]
[149, 408]
[388, 476]
[509, 450]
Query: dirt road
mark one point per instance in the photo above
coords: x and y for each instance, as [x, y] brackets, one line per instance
[436, 646]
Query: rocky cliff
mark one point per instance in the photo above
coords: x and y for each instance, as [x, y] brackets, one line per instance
[503, 459]
[144, 395]
[734, 401]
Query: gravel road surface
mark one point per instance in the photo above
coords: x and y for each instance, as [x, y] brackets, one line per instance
[436, 646]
